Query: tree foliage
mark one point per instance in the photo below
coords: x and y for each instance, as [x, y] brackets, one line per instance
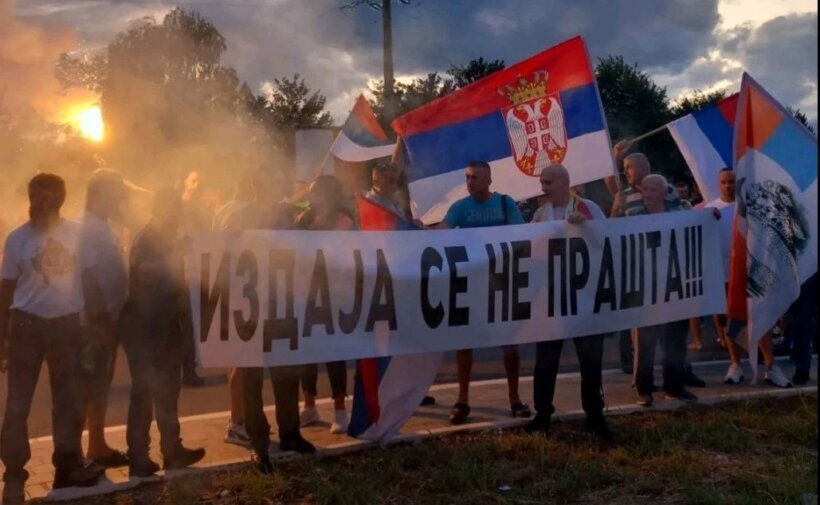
[801, 118]
[473, 71]
[412, 95]
[169, 102]
[292, 104]
[695, 101]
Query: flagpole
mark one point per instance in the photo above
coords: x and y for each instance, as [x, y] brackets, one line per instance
[320, 169]
[648, 134]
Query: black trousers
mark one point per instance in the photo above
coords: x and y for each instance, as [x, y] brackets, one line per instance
[31, 341]
[590, 351]
[285, 381]
[156, 365]
[673, 340]
[336, 373]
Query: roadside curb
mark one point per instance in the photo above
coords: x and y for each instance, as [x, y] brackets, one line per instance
[353, 445]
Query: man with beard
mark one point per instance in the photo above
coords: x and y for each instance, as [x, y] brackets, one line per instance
[42, 294]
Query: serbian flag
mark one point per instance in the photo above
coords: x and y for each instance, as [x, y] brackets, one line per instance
[362, 137]
[542, 111]
[774, 246]
[388, 390]
[705, 140]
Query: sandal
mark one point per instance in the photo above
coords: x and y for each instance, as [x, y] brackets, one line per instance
[115, 459]
[520, 409]
[459, 413]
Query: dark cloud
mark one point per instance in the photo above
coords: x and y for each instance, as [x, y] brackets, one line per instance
[782, 55]
[338, 51]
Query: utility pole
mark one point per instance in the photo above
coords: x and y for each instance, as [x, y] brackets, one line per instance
[387, 34]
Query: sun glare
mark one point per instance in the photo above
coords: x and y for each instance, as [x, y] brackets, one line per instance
[89, 123]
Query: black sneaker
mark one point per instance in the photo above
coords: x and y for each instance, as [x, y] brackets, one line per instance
[143, 469]
[680, 394]
[692, 380]
[597, 426]
[296, 444]
[427, 401]
[800, 378]
[79, 475]
[539, 424]
[183, 458]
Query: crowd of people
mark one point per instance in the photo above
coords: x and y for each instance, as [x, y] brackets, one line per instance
[72, 293]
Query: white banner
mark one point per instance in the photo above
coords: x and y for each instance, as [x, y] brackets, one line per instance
[290, 297]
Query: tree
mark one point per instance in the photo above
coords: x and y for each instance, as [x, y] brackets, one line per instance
[800, 117]
[695, 101]
[169, 102]
[634, 104]
[473, 71]
[409, 96]
[292, 105]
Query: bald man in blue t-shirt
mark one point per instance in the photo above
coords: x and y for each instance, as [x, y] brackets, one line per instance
[484, 208]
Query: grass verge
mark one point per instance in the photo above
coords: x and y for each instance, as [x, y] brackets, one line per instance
[759, 451]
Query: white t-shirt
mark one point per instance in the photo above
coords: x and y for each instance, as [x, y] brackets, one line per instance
[727, 216]
[544, 213]
[45, 265]
[101, 255]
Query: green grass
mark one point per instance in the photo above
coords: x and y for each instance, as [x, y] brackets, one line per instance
[761, 451]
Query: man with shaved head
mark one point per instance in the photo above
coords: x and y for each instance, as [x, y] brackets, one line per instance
[562, 205]
[484, 208]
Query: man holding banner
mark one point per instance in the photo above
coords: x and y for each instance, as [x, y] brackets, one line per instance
[484, 208]
[562, 205]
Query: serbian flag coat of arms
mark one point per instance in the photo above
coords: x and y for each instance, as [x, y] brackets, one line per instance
[539, 112]
[774, 248]
[362, 138]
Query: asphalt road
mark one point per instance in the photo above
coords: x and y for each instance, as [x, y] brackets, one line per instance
[213, 397]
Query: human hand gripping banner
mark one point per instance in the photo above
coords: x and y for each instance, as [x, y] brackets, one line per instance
[271, 298]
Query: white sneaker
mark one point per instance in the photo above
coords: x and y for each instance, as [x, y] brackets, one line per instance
[340, 422]
[236, 434]
[734, 375]
[308, 416]
[775, 377]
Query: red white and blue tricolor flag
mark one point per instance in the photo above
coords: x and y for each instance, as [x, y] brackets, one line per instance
[362, 138]
[774, 247]
[388, 390]
[705, 139]
[539, 112]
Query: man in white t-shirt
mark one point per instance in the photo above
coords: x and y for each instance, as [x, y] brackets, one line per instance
[562, 205]
[40, 303]
[105, 289]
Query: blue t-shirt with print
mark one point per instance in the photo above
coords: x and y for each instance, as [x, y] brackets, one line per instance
[470, 213]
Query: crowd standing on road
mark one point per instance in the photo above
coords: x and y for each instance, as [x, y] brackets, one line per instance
[71, 293]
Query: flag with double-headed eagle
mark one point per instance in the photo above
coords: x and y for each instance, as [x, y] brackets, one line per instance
[542, 111]
[774, 247]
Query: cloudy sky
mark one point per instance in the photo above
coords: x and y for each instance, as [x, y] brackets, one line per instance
[684, 44]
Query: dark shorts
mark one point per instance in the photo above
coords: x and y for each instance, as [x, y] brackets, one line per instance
[95, 367]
